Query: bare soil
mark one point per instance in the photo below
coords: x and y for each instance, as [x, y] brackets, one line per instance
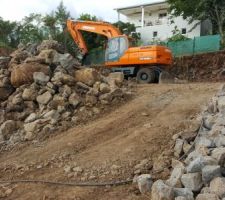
[109, 147]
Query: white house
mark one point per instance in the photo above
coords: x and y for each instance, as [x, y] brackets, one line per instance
[153, 21]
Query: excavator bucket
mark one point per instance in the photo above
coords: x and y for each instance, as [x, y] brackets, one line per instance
[167, 78]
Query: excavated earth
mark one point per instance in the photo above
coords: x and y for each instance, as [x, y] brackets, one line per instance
[108, 148]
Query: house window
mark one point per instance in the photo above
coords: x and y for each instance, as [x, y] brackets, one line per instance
[162, 15]
[184, 31]
[155, 34]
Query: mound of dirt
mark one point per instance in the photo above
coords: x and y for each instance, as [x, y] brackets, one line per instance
[209, 67]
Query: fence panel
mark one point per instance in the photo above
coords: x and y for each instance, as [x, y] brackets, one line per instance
[181, 48]
[197, 45]
[207, 44]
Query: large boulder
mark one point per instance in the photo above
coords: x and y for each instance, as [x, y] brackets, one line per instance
[47, 55]
[23, 74]
[67, 61]
[87, 76]
[50, 44]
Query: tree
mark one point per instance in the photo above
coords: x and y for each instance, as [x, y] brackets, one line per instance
[129, 30]
[177, 36]
[7, 32]
[61, 15]
[31, 29]
[213, 10]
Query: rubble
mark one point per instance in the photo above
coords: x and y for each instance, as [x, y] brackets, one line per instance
[43, 89]
[200, 175]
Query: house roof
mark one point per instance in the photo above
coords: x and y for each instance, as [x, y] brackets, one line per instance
[149, 7]
[141, 5]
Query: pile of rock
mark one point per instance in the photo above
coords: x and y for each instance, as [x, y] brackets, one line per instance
[201, 175]
[50, 91]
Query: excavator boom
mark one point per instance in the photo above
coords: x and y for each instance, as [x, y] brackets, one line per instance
[102, 28]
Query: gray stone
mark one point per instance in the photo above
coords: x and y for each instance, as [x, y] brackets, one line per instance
[192, 156]
[66, 61]
[104, 88]
[91, 100]
[204, 142]
[205, 190]
[53, 114]
[219, 141]
[192, 181]
[44, 98]
[161, 191]
[145, 183]
[60, 78]
[184, 192]
[29, 94]
[74, 100]
[186, 147]
[219, 155]
[221, 103]
[17, 99]
[212, 107]
[217, 186]
[31, 127]
[115, 79]
[65, 91]
[180, 198]
[197, 164]
[105, 98]
[209, 121]
[209, 172]
[87, 76]
[32, 117]
[175, 178]
[40, 78]
[207, 197]
[178, 149]
[7, 129]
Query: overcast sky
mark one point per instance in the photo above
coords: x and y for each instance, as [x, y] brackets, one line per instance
[17, 9]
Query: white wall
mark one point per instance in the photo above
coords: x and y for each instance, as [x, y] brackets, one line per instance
[165, 29]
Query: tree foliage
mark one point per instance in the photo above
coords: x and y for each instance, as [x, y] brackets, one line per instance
[214, 10]
[7, 32]
[36, 27]
[177, 36]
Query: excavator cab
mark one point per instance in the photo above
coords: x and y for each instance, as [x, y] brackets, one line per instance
[116, 48]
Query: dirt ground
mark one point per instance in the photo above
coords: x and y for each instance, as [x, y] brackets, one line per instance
[107, 148]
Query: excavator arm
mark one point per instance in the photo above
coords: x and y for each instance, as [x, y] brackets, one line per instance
[102, 28]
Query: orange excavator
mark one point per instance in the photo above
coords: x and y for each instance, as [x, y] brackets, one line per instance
[145, 62]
